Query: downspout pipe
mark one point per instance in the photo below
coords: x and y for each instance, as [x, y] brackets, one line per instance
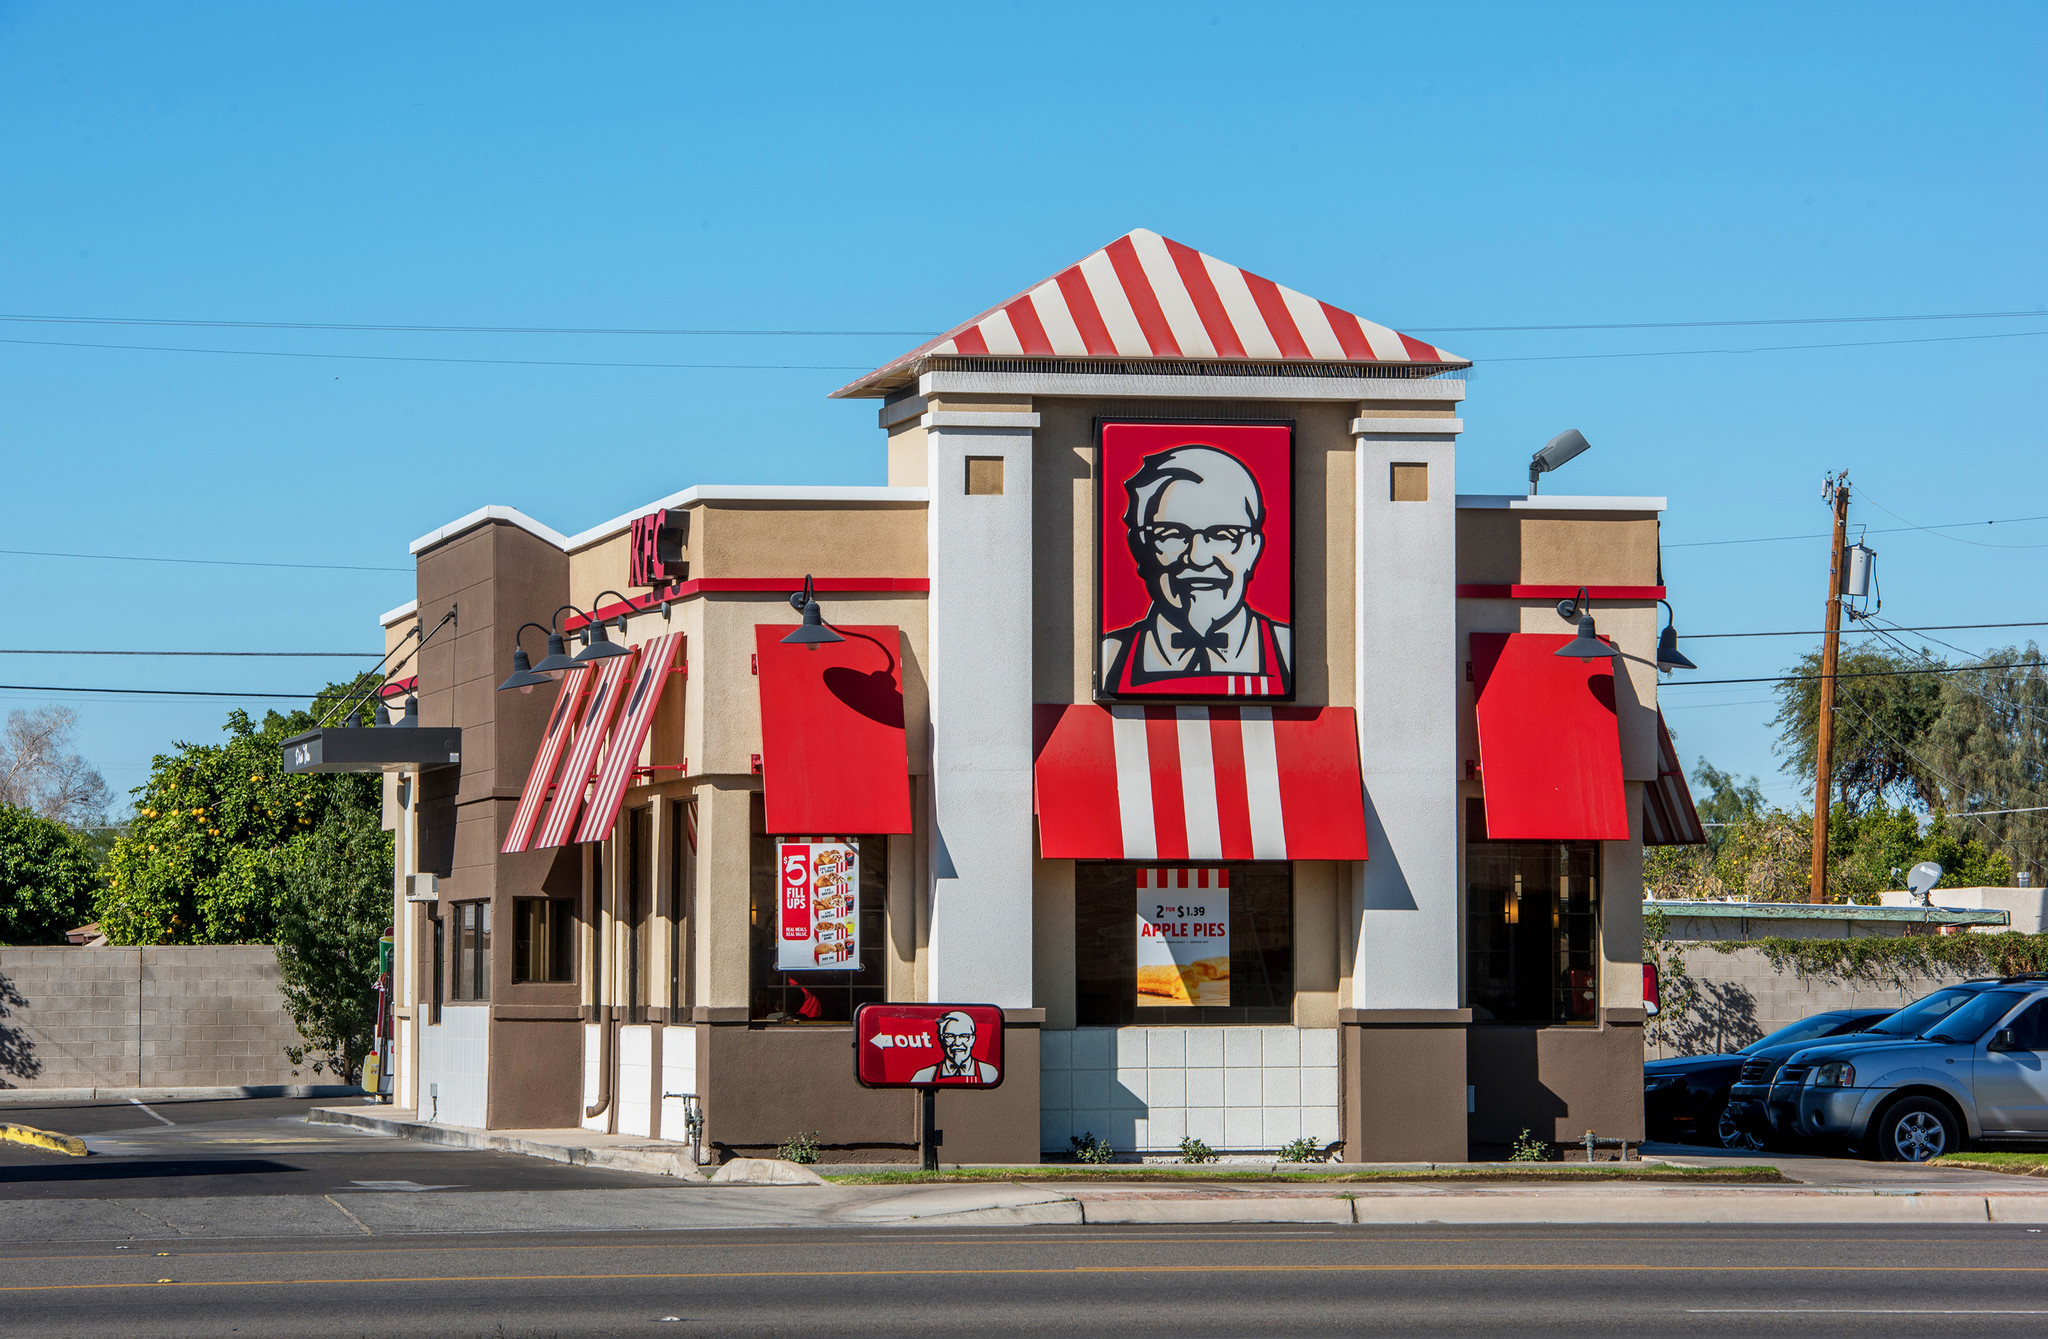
[606, 1048]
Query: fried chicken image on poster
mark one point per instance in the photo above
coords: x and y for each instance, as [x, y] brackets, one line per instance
[1197, 561]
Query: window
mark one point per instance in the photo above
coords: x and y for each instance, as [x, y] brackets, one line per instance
[469, 972]
[1106, 948]
[818, 997]
[2030, 1029]
[682, 876]
[636, 899]
[543, 940]
[1532, 930]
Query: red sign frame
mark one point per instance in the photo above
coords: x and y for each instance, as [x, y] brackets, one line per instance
[1194, 549]
[900, 1046]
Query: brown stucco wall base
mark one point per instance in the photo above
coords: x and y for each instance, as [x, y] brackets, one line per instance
[536, 1074]
[1403, 1082]
[1557, 1082]
[764, 1084]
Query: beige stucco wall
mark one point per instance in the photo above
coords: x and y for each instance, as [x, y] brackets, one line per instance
[750, 539]
[1497, 546]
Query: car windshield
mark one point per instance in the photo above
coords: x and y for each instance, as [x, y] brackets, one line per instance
[1917, 1017]
[1974, 1019]
[1806, 1029]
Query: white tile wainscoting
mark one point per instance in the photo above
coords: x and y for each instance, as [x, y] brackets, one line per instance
[1237, 1089]
[455, 1061]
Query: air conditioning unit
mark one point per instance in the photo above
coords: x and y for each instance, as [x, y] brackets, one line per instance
[422, 887]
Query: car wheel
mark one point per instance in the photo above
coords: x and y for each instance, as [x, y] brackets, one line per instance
[1917, 1129]
[1730, 1135]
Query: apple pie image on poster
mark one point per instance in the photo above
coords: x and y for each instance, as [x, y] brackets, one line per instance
[1205, 981]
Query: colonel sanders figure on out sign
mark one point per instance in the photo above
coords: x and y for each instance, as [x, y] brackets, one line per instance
[1195, 522]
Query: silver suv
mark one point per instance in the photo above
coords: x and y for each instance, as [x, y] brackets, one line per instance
[1977, 1072]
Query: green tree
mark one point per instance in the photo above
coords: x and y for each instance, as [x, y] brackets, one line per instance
[1989, 749]
[336, 907]
[210, 848]
[1883, 712]
[47, 878]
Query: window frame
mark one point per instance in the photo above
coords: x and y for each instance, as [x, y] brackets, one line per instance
[469, 976]
[556, 941]
[1572, 943]
[1113, 1001]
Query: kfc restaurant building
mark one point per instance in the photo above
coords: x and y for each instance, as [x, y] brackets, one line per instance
[1168, 696]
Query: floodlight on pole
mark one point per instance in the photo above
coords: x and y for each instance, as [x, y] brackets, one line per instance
[1555, 452]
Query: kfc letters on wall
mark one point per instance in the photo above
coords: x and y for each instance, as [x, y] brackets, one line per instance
[1195, 561]
[820, 921]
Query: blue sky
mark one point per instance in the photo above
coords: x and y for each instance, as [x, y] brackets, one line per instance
[826, 168]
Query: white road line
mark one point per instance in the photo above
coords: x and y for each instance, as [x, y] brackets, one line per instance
[1854, 1311]
[153, 1115]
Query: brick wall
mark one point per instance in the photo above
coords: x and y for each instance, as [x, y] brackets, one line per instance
[144, 1018]
[1740, 996]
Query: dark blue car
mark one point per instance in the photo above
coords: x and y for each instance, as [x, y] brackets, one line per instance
[1686, 1098]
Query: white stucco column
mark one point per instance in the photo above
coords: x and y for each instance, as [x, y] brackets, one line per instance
[979, 825]
[1405, 896]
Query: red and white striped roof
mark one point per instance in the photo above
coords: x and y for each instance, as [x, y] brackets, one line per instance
[1147, 296]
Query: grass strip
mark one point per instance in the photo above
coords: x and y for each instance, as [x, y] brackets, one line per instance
[2017, 1164]
[1610, 1172]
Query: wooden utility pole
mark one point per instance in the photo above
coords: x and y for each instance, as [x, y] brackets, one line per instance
[1836, 491]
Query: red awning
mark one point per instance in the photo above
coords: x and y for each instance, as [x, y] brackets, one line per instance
[833, 759]
[547, 760]
[622, 750]
[598, 710]
[1669, 818]
[1549, 748]
[1199, 783]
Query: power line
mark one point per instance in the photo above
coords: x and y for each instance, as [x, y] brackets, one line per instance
[1859, 674]
[1889, 530]
[1761, 348]
[285, 655]
[521, 329]
[1935, 530]
[420, 328]
[420, 358]
[1819, 632]
[198, 562]
[1700, 325]
[146, 692]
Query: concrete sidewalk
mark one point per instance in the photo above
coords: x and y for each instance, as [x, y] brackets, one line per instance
[1863, 1193]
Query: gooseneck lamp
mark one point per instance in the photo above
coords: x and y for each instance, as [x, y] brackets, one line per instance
[1669, 657]
[524, 677]
[1587, 644]
[602, 647]
[813, 632]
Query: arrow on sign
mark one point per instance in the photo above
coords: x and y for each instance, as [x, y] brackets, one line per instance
[884, 1042]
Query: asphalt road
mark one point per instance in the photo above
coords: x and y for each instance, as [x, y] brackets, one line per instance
[259, 1146]
[1223, 1281]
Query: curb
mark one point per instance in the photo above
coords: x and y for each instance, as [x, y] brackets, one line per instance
[67, 1144]
[36, 1097]
[656, 1159]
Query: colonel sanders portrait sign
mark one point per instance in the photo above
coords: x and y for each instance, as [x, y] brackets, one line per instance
[1196, 561]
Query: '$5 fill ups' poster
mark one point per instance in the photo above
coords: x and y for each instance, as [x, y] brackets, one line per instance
[1183, 937]
[820, 925]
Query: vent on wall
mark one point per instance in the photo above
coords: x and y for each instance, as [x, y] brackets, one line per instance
[422, 887]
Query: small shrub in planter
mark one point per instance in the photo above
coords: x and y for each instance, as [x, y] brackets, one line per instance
[801, 1148]
[1528, 1148]
[1194, 1150]
[1300, 1150]
[1087, 1148]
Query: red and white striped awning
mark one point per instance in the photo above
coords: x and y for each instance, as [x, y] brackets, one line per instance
[1199, 783]
[1147, 296]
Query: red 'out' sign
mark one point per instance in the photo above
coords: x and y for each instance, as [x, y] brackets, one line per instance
[928, 1045]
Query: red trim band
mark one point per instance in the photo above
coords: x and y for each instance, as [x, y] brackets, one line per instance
[1560, 592]
[683, 590]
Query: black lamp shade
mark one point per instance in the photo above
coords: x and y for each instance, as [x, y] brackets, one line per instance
[410, 718]
[523, 676]
[601, 647]
[1669, 657]
[813, 632]
[383, 716]
[1587, 645]
[556, 659]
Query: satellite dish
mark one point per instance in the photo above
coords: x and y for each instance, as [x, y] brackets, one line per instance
[1920, 880]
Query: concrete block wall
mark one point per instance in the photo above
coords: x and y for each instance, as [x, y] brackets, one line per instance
[203, 1016]
[1739, 997]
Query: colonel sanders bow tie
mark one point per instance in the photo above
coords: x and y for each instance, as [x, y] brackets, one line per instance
[1202, 644]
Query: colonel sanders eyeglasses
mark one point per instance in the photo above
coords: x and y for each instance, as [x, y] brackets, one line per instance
[1169, 540]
